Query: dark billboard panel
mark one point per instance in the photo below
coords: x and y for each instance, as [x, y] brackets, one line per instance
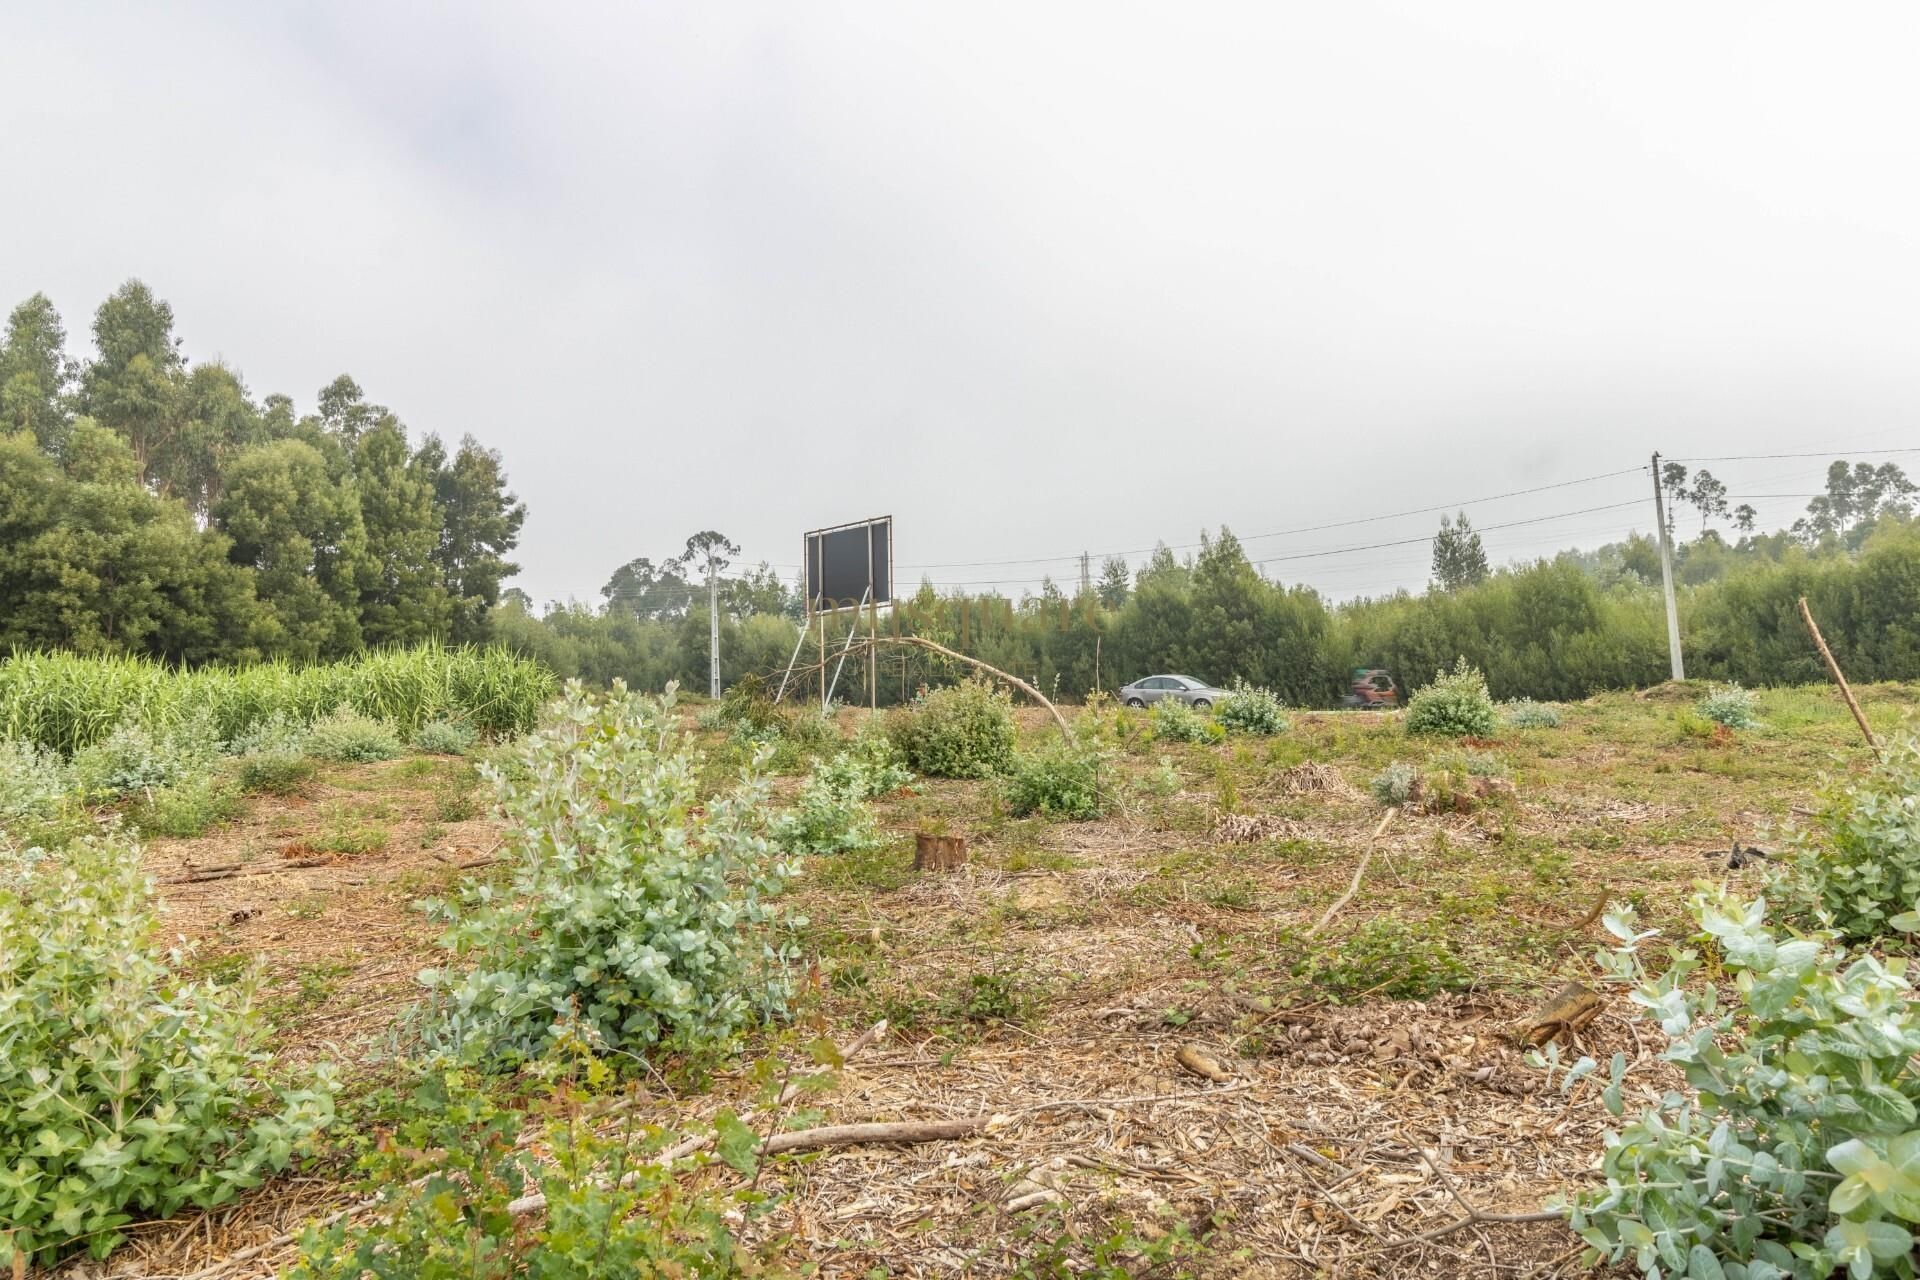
[844, 562]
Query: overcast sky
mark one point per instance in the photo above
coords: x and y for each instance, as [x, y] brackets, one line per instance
[1035, 279]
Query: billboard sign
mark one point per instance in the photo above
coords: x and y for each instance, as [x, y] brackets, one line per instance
[849, 565]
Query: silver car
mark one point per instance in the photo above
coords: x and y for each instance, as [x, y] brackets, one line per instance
[1195, 693]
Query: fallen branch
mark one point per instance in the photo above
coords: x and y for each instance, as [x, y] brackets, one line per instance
[1013, 680]
[1839, 678]
[1475, 1216]
[847, 1135]
[1359, 873]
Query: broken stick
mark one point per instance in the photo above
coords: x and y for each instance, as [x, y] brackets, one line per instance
[1839, 678]
[1359, 873]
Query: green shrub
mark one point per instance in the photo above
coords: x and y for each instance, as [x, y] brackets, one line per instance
[274, 772]
[124, 1091]
[831, 814]
[1525, 713]
[1393, 785]
[1251, 709]
[1794, 1151]
[348, 737]
[187, 808]
[1175, 721]
[961, 731]
[1455, 705]
[34, 783]
[1471, 764]
[613, 1209]
[1730, 705]
[637, 906]
[1856, 865]
[134, 758]
[1060, 779]
[1387, 958]
[444, 737]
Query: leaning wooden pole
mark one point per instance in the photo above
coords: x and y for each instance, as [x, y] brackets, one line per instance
[1839, 677]
[1015, 681]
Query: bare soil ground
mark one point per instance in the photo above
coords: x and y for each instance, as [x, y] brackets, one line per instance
[1363, 1111]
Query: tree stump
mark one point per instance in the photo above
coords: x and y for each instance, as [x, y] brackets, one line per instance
[938, 853]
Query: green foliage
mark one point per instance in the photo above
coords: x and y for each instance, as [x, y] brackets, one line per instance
[1455, 705]
[1175, 721]
[964, 731]
[134, 758]
[1798, 1154]
[637, 907]
[1856, 865]
[68, 703]
[1471, 764]
[187, 808]
[1387, 958]
[348, 737]
[1059, 779]
[1731, 706]
[1393, 785]
[1525, 713]
[831, 814]
[444, 737]
[1251, 709]
[124, 1092]
[443, 1185]
[33, 781]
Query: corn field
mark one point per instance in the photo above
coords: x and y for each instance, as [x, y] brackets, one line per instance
[67, 703]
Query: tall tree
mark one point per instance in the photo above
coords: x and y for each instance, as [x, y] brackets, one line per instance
[1708, 496]
[1856, 496]
[135, 386]
[1114, 584]
[759, 592]
[480, 521]
[1459, 560]
[298, 528]
[405, 600]
[646, 590]
[35, 374]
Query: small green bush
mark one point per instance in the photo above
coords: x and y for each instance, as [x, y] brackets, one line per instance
[613, 1208]
[1471, 764]
[638, 909]
[1525, 713]
[1455, 705]
[187, 808]
[1175, 721]
[831, 814]
[134, 758]
[1730, 705]
[1061, 780]
[1251, 709]
[961, 731]
[124, 1091]
[34, 783]
[1856, 864]
[274, 772]
[1387, 958]
[1794, 1150]
[348, 737]
[444, 737]
[1393, 785]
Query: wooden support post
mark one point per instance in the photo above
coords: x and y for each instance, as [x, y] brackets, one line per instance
[1839, 678]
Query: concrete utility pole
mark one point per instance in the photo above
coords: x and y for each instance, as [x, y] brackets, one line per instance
[713, 630]
[1666, 575]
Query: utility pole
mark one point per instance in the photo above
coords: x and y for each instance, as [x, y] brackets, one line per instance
[713, 630]
[1666, 574]
[1086, 572]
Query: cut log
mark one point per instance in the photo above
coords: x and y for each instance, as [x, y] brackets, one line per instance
[1568, 1010]
[938, 853]
[844, 1135]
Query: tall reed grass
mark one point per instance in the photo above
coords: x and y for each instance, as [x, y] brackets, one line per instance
[67, 703]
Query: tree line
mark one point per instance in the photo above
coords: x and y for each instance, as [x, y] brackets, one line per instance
[151, 505]
[1565, 627]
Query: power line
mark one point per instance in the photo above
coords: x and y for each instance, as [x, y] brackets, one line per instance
[1763, 457]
